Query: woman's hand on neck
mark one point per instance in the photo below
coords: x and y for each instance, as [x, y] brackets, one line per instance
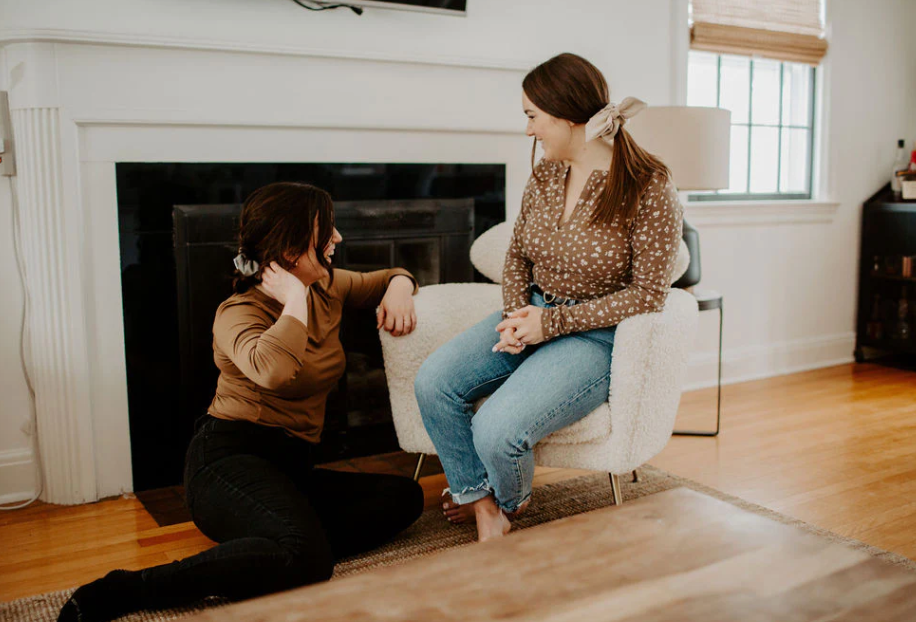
[287, 289]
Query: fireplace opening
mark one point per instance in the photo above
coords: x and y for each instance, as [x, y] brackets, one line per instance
[177, 225]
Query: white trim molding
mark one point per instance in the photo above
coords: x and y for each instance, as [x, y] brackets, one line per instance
[93, 37]
[755, 213]
[772, 359]
[680, 48]
[50, 212]
[57, 340]
[17, 475]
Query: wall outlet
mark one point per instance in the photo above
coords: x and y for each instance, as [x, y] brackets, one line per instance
[7, 159]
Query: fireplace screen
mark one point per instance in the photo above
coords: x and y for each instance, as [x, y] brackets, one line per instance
[173, 279]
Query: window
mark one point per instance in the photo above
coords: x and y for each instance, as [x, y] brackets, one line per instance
[758, 60]
[772, 134]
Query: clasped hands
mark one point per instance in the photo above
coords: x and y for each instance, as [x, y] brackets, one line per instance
[521, 328]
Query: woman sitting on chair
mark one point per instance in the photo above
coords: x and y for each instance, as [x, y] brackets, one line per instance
[595, 242]
[249, 476]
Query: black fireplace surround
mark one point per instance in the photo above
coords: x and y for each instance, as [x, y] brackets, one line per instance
[177, 224]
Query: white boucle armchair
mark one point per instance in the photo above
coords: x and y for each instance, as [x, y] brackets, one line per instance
[647, 370]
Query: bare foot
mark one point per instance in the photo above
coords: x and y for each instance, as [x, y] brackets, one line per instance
[458, 514]
[491, 522]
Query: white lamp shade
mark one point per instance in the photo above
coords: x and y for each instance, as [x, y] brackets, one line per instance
[692, 141]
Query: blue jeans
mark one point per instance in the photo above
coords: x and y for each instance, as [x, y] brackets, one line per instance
[532, 394]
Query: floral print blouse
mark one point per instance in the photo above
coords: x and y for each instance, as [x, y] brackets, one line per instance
[613, 273]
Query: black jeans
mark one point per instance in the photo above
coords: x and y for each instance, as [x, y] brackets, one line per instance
[280, 523]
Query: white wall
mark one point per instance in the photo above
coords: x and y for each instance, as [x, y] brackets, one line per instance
[16, 471]
[515, 32]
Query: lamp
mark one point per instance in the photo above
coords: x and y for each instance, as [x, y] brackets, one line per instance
[694, 143]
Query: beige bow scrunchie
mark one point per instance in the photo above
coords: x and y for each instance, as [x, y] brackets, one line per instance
[246, 267]
[606, 122]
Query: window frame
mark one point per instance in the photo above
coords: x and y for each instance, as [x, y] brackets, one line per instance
[722, 196]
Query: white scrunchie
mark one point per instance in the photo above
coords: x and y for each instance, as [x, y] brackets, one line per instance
[246, 267]
[606, 122]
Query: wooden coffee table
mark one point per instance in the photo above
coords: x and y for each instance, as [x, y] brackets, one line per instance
[676, 555]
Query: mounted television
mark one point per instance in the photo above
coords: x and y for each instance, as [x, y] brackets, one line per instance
[446, 7]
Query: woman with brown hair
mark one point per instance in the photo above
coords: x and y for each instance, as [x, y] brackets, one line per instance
[249, 476]
[594, 243]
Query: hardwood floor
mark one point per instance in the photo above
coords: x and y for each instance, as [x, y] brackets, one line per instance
[833, 447]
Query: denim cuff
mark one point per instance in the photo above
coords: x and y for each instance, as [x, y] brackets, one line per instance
[509, 509]
[470, 494]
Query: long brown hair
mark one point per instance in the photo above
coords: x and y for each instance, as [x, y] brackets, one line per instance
[278, 224]
[569, 87]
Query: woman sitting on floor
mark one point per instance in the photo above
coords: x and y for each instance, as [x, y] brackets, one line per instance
[249, 476]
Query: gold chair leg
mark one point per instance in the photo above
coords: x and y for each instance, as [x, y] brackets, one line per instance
[420, 461]
[615, 489]
[635, 476]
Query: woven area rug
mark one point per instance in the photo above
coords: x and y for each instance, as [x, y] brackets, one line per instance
[431, 533]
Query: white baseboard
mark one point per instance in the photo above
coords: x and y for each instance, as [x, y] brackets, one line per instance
[17, 475]
[765, 361]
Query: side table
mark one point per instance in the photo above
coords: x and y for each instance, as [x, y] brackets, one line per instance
[708, 300]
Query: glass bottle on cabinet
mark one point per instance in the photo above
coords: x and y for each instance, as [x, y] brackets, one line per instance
[901, 164]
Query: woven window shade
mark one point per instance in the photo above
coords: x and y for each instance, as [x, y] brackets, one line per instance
[788, 30]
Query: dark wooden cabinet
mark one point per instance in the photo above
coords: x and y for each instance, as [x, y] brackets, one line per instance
[886, 318]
